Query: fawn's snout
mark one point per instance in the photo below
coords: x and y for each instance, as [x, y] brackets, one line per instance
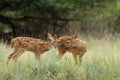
[62, 45]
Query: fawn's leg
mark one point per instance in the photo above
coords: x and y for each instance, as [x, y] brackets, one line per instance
[11, 55]
[37, 55]
[75, 57]
[61, 53]
[80, 57]
[18, 53]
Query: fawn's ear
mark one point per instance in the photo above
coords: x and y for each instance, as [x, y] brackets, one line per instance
[75, 36]
[51, 38]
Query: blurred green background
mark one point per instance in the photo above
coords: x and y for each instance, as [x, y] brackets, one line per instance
[36, 18]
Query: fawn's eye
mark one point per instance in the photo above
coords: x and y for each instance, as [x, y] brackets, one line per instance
[67, 41]
[58, 42]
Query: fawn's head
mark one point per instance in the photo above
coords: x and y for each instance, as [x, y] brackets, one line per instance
[65, 41]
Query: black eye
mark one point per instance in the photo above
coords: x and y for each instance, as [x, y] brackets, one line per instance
[58, 42]
[67, 41]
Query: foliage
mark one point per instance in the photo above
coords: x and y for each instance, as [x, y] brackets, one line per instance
[38, 17]
[22, 12]
[100, 16]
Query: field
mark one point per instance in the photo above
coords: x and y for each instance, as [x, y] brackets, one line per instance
[101, 62]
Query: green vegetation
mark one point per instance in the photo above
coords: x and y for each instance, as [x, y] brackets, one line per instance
[101, 62]
[38, 17]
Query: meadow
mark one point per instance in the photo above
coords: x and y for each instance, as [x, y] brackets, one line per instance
[101, 62]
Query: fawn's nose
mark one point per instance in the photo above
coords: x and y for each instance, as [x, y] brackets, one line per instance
[62, 45]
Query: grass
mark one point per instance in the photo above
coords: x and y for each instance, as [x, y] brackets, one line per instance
[101, 62]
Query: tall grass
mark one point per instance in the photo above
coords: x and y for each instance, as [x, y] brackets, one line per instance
[101, 62]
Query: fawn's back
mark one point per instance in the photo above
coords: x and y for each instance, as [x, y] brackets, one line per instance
[30, 44]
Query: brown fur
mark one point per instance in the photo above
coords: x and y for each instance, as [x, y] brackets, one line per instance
[71, 44]
[22, 44]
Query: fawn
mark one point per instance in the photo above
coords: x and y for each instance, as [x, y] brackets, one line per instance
[22, 44]
[71, 44]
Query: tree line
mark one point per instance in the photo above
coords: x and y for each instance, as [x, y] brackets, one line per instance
[38, 17]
